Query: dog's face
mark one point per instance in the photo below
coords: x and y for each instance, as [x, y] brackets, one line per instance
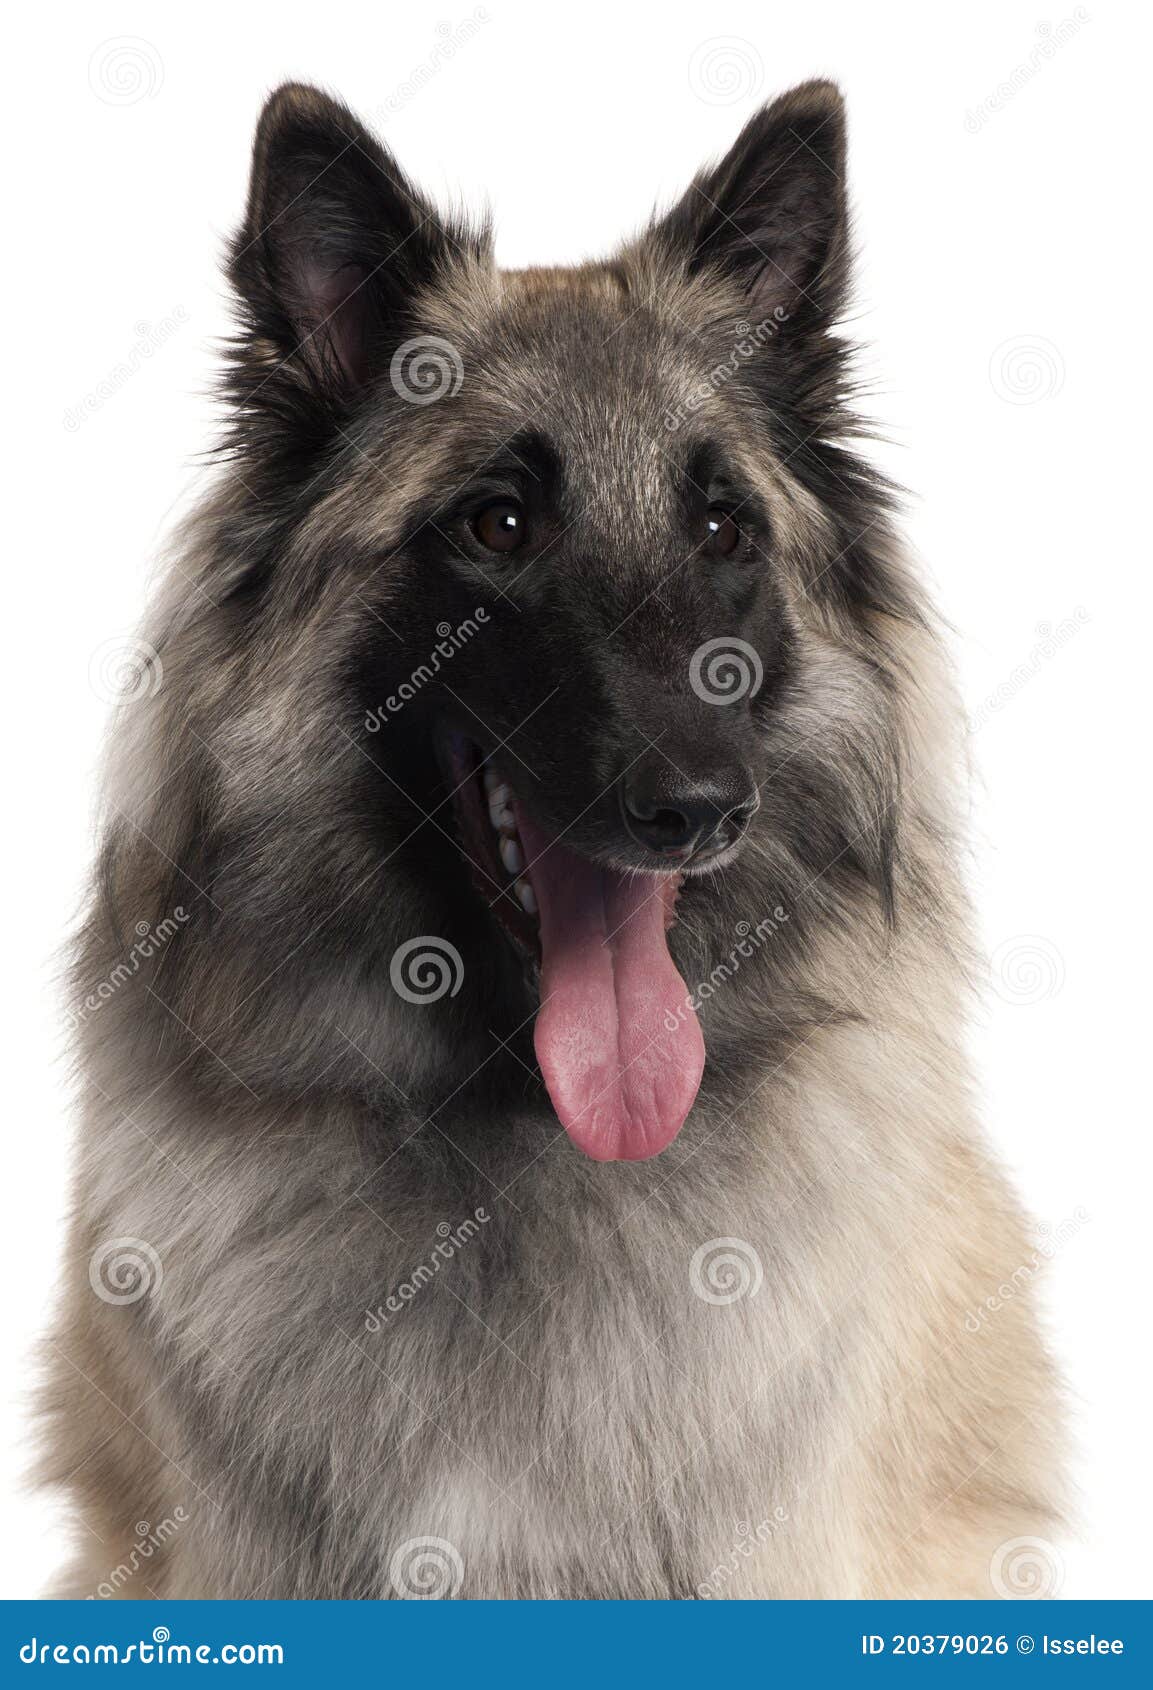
[548, 594]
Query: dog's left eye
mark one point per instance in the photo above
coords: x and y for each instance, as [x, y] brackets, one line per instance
[500, 526]
[723, 535]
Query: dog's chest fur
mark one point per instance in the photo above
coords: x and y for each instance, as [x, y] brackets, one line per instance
[594, 1382]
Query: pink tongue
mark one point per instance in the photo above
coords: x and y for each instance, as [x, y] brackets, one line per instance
[617, 1039]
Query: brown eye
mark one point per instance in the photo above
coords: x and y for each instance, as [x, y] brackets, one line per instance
[500, 526]
[723, 533]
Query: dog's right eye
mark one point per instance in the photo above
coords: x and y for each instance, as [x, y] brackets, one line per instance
[501, 526]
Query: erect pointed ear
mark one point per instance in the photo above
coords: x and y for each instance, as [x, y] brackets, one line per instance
[334, 244]
[772, 214]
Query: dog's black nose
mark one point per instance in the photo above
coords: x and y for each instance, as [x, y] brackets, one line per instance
[677, 818]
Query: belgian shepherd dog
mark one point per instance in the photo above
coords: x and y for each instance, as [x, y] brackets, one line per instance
[527, 1148]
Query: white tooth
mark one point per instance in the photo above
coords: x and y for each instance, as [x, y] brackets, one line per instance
[526, 895]
[511, 855]
[488, 775]
[500, 795]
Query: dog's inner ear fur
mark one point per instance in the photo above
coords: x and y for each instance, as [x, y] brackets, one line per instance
[772, 214]
[335, 243]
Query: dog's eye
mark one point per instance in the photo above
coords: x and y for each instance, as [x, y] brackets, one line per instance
[500, 526]
[723, 534]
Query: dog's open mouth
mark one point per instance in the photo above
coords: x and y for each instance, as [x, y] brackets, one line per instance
[616, 1035]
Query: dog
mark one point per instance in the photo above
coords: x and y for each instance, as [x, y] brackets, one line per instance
[527, 1149]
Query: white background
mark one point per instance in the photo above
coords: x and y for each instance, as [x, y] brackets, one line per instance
[1001, 196]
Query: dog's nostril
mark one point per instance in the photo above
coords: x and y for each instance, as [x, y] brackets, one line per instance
[660, 826]
[697, 821]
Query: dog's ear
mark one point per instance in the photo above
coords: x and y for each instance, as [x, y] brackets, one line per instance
[334, 244]
[772, 214]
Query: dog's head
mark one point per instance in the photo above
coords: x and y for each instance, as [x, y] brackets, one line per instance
[540, 639]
